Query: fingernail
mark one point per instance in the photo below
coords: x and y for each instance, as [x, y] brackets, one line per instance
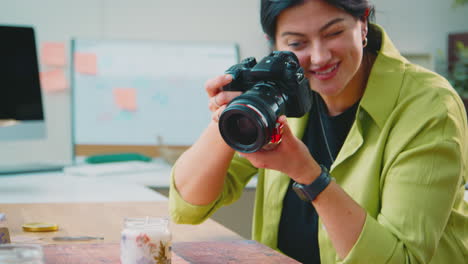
[228, 77]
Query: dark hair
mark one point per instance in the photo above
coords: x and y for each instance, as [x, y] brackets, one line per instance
[270, 10]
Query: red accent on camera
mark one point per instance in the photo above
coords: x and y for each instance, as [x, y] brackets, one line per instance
[277, 133]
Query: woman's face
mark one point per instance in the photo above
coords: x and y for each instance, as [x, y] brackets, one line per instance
[328, 43]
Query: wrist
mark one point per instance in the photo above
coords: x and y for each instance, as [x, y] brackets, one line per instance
[309, 175]
[308, 192]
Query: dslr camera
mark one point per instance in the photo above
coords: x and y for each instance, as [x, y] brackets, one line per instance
[273, 87]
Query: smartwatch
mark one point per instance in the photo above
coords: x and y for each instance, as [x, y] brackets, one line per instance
[309, 192]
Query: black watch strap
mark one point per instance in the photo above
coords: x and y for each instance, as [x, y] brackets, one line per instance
[309, 192]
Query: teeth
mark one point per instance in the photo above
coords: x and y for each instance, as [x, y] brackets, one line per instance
[327, 71]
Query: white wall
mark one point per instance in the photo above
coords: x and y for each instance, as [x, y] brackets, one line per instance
[416, 27]
[421, 26]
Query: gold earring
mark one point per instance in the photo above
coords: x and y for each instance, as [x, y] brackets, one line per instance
[364, 42]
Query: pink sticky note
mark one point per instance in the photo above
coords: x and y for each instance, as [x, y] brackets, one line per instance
[53, 81]
[53, 54]
[86, 63]
[125, 98]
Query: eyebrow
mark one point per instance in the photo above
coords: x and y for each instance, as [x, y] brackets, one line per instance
[324, 27]
[329, 24]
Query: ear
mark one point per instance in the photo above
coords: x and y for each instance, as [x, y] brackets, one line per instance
[364, 23]
[364, 28]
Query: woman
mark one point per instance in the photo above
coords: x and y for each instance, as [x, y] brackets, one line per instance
[393, 136]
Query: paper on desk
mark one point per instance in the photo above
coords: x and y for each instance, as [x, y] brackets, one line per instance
[112, 168]
[26, 239]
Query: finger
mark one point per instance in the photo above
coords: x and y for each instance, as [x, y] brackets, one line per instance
[213, 104]
[285, 130]
[224, 98]
[213, 86]
[216, 114]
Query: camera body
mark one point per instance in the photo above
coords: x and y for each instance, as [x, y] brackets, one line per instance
[273, 87]
[281, 70]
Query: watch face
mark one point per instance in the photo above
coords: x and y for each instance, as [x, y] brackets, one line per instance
[299, 189]
[309, 192]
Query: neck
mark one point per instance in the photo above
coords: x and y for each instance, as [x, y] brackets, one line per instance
[337, 104]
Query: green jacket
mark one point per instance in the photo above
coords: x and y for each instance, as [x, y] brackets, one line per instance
[404, 161]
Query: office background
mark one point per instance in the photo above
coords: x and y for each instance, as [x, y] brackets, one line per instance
[419, 28]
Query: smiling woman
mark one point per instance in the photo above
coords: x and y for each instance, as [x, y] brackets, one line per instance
[392, 134]
[334, 51]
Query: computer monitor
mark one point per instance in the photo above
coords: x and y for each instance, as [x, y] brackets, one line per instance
[25, 145]
[21, 109]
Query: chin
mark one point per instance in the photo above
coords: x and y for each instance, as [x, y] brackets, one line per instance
[326, 90]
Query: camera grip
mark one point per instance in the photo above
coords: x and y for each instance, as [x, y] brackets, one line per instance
[230, 87]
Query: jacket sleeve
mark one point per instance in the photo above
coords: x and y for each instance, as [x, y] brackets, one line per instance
[239, 173]
[418, 190]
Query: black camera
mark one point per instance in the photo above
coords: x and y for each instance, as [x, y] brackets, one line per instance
[273, 87]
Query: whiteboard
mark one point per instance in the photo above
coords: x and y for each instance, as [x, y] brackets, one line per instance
[166, 83]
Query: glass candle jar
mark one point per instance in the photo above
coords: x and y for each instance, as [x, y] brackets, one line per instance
[21, 254]
[145, 241]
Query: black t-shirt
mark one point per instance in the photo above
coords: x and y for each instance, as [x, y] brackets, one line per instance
[298, 228]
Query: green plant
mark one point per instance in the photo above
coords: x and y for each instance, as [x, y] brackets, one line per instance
[459, 2]
[458, 76]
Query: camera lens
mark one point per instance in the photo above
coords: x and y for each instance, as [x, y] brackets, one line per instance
[242, 129]
[248, 121]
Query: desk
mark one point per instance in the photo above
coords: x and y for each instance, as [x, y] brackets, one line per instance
[101, 220]
[56, 187]
[208, 242]
[159, 178]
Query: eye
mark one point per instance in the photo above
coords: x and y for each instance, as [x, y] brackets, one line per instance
[335, 33]
[295, 44]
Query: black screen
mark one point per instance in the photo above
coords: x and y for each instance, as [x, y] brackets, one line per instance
[20, 93]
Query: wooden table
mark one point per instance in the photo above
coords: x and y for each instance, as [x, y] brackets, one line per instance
[208, 242]
[101, 220]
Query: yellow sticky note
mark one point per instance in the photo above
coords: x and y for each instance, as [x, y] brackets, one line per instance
[53, 81]
[125, 98]
[86, 63]
[53, 54]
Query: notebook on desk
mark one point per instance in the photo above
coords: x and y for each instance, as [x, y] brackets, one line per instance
[113, 168]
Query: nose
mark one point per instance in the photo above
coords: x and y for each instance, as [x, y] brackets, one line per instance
[320, 55]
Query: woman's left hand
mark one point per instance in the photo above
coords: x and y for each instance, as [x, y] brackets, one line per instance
[291, 157]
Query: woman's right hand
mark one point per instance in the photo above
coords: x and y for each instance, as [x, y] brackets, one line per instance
[218, 99]
[201, 185]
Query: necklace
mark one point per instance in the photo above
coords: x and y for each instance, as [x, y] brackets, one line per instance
[323, 130]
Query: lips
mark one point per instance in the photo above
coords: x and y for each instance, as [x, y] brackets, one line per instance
[326, 72]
